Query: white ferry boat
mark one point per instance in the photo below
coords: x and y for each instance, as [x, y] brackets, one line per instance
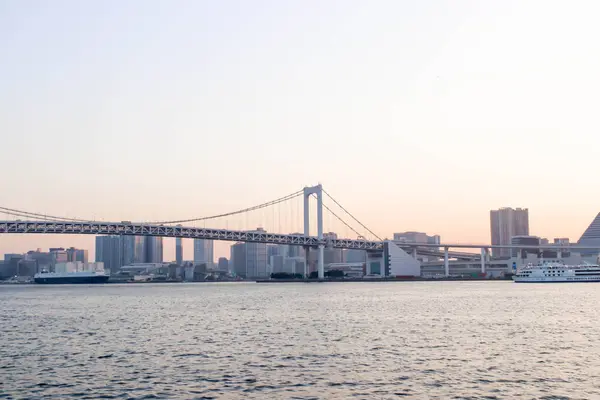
[555, 272]
[71, 277]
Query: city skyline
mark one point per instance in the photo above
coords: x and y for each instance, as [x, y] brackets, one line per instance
[513, 222]
[453, 95]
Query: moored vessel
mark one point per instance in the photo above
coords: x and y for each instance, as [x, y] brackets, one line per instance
[556, 272]
[71, 277]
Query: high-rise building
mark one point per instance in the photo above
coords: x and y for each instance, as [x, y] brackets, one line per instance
[154, 249]
[74, 255]
[506, 223]
[116, 251]
[256, 260]
[204, 252]
[109, 250]
[273, 250]
[295, 251]
[128, 249]
[238, 259]
[223, 264]
[43, 259]
[178, 251]
[250, 259]
[59, 255]
[277, 263]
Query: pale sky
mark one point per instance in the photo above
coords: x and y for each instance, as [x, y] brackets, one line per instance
[415, 115]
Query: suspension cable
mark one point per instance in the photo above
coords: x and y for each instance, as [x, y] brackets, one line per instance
[27, 214]
[352, 216]
[338, 217]
[253, 208]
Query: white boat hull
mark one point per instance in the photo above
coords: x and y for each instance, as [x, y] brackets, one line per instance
[558, 273]
[556, 280]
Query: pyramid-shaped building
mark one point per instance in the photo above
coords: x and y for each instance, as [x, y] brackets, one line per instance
[591, 237]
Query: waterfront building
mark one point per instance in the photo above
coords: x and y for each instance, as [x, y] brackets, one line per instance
[525, 240]
[178, 251]
[250, 260]
[277, 263]
[354, 256]
[204, 252]
[591, 236]
[563, 242]
[74, 254]
[109, 250]
[116, 251]
[153, 249]
[223, 264]
[506, 223]
[416, 237]
[43, 259]
[59, 255]
[238, 259]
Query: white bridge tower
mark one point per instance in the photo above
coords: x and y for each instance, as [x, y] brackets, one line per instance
[318, 191]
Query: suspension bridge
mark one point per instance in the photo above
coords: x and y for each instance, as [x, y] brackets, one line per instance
[38, 223]
[380, 250]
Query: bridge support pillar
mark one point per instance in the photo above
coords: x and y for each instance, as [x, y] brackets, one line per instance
[321, 262]
[306, 258]
[446, 262]
[483, 260]
[414, 253]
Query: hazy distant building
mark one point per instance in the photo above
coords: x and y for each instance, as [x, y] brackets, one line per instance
[117, 251]
[250, 259]
[525, 240]
[294, 265]
[10, 267]
[273, 250]
[223, 264]
[178, 251]
[563, 242]
[277, 263]
[256, 259]
[204, 252]
[354, 256]
[238, 259]
[506, 223]
[133, 249]
[153, 249]
[59, 255]
[295, 251]
[44, 260]
[109, 250]
[74, 254]
[416, 237]
[591, 237]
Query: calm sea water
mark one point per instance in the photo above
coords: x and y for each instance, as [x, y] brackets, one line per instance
[439, 340]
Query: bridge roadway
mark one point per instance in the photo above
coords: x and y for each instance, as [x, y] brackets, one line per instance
[138, 229]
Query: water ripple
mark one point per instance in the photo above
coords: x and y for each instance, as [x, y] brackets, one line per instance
[461, 340]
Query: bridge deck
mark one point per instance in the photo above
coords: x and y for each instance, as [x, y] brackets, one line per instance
[136, 229]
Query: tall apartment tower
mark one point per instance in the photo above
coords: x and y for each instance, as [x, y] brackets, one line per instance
[204, 252]
[153, 247]
[178, 251]
[506, 223]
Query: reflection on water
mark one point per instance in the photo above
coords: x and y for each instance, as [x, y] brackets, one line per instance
[302, 341]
